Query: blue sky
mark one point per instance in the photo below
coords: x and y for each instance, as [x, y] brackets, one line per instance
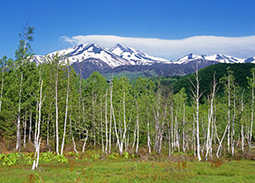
[58, 23]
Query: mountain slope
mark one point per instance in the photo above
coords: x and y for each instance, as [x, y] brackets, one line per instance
[240, 70]
[87, 58]
[216, 58]
[87, 53]
[135, 56]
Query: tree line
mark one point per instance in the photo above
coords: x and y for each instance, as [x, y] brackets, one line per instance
[51, 103]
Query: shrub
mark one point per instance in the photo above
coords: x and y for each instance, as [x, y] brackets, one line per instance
[10, 159]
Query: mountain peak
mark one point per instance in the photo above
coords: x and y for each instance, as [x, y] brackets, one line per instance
[93, 48]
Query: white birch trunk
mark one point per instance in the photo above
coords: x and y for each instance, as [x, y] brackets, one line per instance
[102, 136]
[148, 136]
[85, 141]
[71, 133]
[137, 126]
[30, 126]
[233, 126]
[183, 130]
[25, 129]
[196, 97]
[110, 126]
[115, 124]
[106, 125]
[220, 141]
[66, 112]
[37, 141]
[229, 103]
[56, 106]
[18, 144]
[2, 89]
[210, 118]
[252, 108]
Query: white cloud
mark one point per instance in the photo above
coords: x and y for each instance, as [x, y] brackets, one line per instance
[240, 47]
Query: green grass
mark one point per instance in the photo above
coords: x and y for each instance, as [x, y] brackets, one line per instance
[80, 169]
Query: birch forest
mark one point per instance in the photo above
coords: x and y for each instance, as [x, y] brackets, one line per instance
[51, 106]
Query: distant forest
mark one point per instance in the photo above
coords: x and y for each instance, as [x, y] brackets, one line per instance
[208, 113]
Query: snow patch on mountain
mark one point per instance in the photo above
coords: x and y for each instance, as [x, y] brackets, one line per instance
[120, 55]
[216, 57]
[83, 52]
[136, 57]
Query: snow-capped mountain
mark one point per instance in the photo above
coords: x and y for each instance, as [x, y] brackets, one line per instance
[117, 56]
[136, 57]
[91, 57]
[215, 58]
[90, 53]
[250, 60]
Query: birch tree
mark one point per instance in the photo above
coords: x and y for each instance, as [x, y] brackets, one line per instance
[37, 141]
[251, 82]
[229, 87]
[210, 117]
[23, 56]
[66, 111]
[196, 95]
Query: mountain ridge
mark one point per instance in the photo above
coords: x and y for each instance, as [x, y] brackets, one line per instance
[92, 57]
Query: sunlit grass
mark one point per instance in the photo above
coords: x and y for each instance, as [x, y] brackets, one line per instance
[130, 170]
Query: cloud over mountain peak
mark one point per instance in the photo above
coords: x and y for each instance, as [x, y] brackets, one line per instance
[241, 47]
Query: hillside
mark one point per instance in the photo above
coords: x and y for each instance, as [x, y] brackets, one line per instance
[240, 71]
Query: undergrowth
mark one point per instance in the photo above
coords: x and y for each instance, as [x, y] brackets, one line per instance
[97, 166]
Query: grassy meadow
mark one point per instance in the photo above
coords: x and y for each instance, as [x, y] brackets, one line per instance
[95, 167]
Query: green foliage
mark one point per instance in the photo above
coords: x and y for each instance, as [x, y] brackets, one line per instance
[241, 72]
[96, 156]
[51, 156]
[26, 37]
[113, 156]
[126, 155]
[10, 159]
[61, 159]
[47, 156]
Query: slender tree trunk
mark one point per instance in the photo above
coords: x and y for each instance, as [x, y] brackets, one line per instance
[25, 129]
[252, 107]
[137, 126]
[196, 96]
[229, 103]
[197, 122]
[56, 106]
[123, 139]
[30, 126]
[2, 89]
[134, 138]
[110, 126]
[18, 144]
[169, 132]
[183, 130]
[85, 141]
[210, 117]
[172, 128]
[66, 113]
[106, 124]
[102, 136]
[115, 125]
[233, 125]
[220, 141]
[242, 132]
[148, 132]
[48, 134]
[37, 140]
[71, 133]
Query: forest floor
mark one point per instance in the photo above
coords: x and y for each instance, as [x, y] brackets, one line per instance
[127, 168]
